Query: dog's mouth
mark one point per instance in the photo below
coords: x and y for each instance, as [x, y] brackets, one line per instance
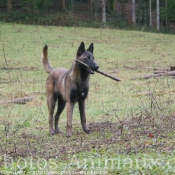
[87, 67]
[91, 71]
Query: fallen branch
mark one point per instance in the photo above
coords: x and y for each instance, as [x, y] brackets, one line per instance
[143, 93]
[98, 71]
[159, 72]
[170, 73]
[161, 69]
[130, 67]
[22, 100]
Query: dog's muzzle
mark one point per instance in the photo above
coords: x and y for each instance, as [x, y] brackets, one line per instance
[92, 70]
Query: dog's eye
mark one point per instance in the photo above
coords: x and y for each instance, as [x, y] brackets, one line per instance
[88, 57]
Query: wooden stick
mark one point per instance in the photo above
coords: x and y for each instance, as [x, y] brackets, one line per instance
[83, 64]
[170, 73]
[22, 100]
[107, 75]
[160, 72]
[161, 69]
[98, 71]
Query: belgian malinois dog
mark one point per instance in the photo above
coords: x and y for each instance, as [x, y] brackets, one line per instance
[68, 87]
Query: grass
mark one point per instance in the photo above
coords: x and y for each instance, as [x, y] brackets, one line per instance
[131, 133]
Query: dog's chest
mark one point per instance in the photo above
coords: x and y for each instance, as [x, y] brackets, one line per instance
[76, 94]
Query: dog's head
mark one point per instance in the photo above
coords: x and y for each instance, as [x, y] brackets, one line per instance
[87, 57]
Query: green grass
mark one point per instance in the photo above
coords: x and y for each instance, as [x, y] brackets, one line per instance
[121, 120]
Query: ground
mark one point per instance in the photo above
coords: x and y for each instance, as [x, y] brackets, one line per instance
[132, 121]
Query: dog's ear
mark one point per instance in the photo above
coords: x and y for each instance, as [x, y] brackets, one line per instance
[91, 48]
[81, 49]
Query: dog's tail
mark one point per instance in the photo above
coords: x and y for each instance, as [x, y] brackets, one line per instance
[45, 61]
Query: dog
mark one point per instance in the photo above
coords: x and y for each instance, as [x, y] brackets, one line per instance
[68, 87]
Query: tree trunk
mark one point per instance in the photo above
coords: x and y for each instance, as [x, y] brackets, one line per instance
[166, 15]
[133, 12]
[111, 6]
[158, 16]
[145, 13]
[9, 5]
[70, 5]
[63, 5]
[150, 12]
[90, 6]
[96, 8]
[103, 12]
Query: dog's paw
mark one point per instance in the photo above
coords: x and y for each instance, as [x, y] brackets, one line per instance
[56, 131]
[68, 134]
[87, 130]
[52, 133]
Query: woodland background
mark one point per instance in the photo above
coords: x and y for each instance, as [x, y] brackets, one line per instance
[144, 14]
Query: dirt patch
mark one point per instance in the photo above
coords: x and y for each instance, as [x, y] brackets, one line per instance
[127, 136]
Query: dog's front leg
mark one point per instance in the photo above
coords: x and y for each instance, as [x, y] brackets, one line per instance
[70, 107]
[81, 104]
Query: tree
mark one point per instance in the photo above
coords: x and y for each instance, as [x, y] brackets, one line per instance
[103, 12]
[96, 8]
[170, 10]
[133, 12]
[90, 6]
[158, 15]
[9, 5]
[150, 12]
[63, 5]
[111, 4]
[67, 5]
[70, 5]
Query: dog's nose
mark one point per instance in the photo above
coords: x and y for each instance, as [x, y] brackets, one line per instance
[96, 67]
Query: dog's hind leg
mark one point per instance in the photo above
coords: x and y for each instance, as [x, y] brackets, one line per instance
[81, 104]
[70, 107]
[61, 105]
[51, 106]
[51, 100]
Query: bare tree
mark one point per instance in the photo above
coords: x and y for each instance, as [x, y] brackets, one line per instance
[111, 6]
[90, 6]
[166, 16]
[158, 15]
[9, 5]
[103, 12]
[133, 12]
[70, 5]
[145, 14]
[96, 8]
[63, 5]
[150, 12]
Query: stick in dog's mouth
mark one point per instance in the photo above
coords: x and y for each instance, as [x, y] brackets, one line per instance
[98, 71]
[84, 64]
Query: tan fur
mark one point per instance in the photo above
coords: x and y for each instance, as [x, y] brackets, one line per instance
[45, 62]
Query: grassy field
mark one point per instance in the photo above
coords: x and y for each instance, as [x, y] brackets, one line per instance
[132, 122]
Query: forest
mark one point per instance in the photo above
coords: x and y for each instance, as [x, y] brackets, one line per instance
[152, 14]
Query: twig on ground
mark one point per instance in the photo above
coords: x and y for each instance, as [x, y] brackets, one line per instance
[22, 100]
[170, 73]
